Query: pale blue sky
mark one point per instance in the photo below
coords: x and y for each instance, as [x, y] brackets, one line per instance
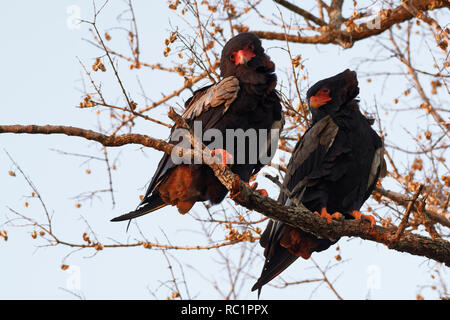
[40, 84]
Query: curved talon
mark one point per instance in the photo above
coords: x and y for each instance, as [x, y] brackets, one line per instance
[329, 217]
[360, 217]
[225, 157]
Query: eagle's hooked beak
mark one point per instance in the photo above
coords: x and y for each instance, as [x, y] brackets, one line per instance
[243, 56]
[321, 98]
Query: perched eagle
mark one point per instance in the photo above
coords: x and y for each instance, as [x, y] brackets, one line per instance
[244, 99]
[332, 171]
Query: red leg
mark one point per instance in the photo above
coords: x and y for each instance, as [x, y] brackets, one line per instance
[225, 157]
[360, 217]
[329, 217]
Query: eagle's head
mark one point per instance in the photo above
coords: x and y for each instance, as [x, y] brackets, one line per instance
[243, 57]
[328, 95]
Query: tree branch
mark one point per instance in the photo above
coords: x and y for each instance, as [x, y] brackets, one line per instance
[299, 217]
[362, 31]
[432, 212]
[405, 218]
[105, 140]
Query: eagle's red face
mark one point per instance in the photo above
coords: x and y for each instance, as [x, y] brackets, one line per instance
[243, 56]
[320, 98]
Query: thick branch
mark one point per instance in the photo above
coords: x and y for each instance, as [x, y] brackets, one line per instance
[432, 212]
[305, 14]
[364, 30]
[299, 217]
[107, 141]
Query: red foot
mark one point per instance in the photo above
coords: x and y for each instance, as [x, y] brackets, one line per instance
[329, 217]
[236, 189]
[359, 216]
[225, 157]
[263, 192]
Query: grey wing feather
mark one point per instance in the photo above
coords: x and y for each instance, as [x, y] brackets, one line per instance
[272, 140]
[222, 93]
[378, 168]
[322, 133]
[326, 129]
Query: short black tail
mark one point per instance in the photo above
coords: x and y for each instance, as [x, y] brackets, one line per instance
[152, 203]
[281, 259]
[278, 257]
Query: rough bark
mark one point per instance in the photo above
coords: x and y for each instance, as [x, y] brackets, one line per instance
[332, 33]
[300, 217]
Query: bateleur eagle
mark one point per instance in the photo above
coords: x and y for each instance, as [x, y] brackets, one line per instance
[332, 171]
[244, 99]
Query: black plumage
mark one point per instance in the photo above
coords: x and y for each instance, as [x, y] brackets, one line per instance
[334, 168]
[244, 99]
